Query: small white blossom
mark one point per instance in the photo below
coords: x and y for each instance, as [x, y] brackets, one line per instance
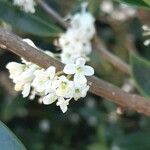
[15, 69]
[63, 104]
[43, 79]
[64, 87]
[26, 5]
[80, 91]
[80, 70]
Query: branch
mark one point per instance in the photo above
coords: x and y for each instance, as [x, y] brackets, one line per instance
[52, 13]
[98, 87]
[111, 58]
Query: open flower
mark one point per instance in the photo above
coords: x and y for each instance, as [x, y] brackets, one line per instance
[24, 80]
[15, 69]
[80, 91]
[80, 70]
[43, 79]
[64, 87]
[62, 103]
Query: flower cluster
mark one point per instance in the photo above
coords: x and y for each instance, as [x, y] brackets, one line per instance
[76, 41]
[52, 86]
[26, 5]
[146, 33]
[121, 13]
[49, 85]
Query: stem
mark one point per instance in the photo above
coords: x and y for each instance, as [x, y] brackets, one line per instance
[59, 73]
[111, 58]
[98, 87]
[52, 13]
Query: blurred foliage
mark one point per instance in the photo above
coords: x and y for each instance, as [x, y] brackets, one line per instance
[91, 123]
[141, 74]
[27, 22]
[137, 3]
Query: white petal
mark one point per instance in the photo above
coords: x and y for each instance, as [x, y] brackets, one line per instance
[88, 71]
[49, 99]
[79, 80]
[80, 61]
[62, 103]
[64, 108]
[69, 69]
[51, 71]
[26, 90]
[30, 42]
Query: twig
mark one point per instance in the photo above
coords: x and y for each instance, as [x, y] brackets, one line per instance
[98, 87]
[52, 13]
[111, 58]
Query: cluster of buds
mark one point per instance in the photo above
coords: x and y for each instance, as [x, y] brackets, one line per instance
[49, 85]
[146, 33]
[76, 41]
[26, 5]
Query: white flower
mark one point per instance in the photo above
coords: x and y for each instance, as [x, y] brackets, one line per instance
[64, 87]
[43, 79]
[49, 99]
[62, 103]
[80, 70]
[26, 5]
[24, 80]
[80, 91]
[15, 69]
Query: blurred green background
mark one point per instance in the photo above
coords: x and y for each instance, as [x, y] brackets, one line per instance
[91, 123]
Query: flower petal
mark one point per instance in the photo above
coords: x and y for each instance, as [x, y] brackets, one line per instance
[69, 69]
[88, 71]
[51, 72]
[80, 61]
[79, 80]
[49, 99]
[28, 41]
[26, 90]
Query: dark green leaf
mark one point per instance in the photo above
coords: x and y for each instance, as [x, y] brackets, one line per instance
[136, 3]
[141, 74]
[27, 22]
[8, 141]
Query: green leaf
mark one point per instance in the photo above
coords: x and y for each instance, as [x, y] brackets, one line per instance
[8, 141]
[147, 2]
[27, 22]
[136, 3]
[141, 74]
